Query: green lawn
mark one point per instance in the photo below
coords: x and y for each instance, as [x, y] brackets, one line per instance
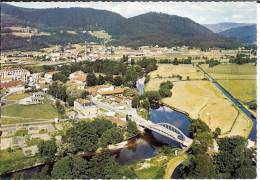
[235, 69]
[239, 80]
[155, 169]
[6, 120]
[244, 90]
[17, 96]
[38, 111]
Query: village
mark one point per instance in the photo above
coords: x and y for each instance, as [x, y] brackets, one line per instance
[21, 88]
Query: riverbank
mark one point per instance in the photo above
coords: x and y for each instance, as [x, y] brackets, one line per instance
[173, 164]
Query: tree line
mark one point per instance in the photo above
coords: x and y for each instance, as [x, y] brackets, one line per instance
[176, 61]
[242, 59]
[87, 137]
[233, 159]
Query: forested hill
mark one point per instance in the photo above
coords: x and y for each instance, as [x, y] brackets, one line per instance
[146, 29]
[76, 18]
[163, 29]
[246, 34]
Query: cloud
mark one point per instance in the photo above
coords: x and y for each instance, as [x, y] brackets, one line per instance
[201, 12]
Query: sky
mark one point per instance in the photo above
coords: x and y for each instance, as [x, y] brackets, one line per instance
[201, 12]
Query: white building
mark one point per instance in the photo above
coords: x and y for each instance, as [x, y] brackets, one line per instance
[36, 98]
[9, 74]
[85, 108]
[103, 89]
[55, 56]
[48, 77]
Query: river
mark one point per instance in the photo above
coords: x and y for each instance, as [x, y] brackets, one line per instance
[145, 146]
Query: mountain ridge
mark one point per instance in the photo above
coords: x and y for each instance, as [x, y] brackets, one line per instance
[223, 26]
[145, 29]
[245, 34]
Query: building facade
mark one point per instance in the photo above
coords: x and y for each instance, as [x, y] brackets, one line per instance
[10, 74]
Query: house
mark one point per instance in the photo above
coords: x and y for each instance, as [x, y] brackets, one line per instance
[47, 77]
[78, 77]
[36, 98]
[35, 77]
[10, 73]
[12, 86]
[99, 88]
[85, 108]
[55, 56]
[118, 91]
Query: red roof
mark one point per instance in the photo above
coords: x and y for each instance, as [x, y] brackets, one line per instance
[10, 84]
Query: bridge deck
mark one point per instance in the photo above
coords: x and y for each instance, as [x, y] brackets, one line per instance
[165, 129]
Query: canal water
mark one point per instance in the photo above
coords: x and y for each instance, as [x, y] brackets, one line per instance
[252, 135]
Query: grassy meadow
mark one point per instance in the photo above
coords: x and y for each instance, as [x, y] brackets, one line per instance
[239, 80]
[19, 113]
[200, 99]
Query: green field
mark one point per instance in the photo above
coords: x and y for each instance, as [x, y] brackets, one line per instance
[239, 80]
[152, 169]
[17, 96]
[244, 90]
[246, 69]
[38, 111]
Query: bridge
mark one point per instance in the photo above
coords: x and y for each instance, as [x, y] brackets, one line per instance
[165, 129]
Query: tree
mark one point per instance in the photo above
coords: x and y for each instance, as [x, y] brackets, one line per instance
[102, 125]
[83, 136]
[101, 80]
[124, 58]
[59, 77]
[198, 126]
[109, 78]
[234, 159]
[111, 136]
[200, 167]
[165, 92]
[70, 99]
[153, 96]
[146, 104]
[47, 149]
[104, 166]
[132, 129]
[118, 81]
[216, 133]
[58, 90]
[84, 94]
[60, 107]
[135, 102]
[65, 149]
[201, 143]
[70, 167]
[246, 172]
[91, 79]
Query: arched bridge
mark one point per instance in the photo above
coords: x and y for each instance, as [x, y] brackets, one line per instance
[169, 131]
[164, 129]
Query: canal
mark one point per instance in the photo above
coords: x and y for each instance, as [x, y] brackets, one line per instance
[252, 135]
